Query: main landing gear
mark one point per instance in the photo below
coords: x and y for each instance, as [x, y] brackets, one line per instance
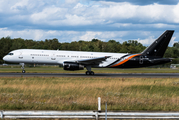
[23, 69]
[89, 72]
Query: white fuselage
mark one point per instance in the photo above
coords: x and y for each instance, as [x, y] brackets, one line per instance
[58, 56]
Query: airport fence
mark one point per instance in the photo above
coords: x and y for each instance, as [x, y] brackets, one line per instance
[87, 114]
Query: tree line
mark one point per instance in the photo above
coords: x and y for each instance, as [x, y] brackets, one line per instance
[95, 45]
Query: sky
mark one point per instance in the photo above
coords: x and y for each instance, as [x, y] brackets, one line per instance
[74, 20]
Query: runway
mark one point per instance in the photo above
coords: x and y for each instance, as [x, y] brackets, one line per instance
[123, 75]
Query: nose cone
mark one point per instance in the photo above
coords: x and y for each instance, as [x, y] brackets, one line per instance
[5, 58]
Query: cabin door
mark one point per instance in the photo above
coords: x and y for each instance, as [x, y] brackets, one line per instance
[20, 55]
[53, 57]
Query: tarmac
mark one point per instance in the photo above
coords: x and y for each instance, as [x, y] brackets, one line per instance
[123, 75]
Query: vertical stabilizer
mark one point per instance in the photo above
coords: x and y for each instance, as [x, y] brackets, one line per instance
[159, 46]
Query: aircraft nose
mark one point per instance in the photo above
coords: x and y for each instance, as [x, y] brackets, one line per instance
[5, 58]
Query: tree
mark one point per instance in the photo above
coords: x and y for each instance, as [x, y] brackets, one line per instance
[5, 47]
[18, 43]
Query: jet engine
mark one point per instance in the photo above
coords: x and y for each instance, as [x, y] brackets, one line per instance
[72, 66]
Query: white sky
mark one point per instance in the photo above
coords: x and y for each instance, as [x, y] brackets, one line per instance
[76, 20]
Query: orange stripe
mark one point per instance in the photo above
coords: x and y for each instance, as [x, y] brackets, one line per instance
[122, 62]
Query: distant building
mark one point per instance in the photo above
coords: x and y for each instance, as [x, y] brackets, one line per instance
[174, 66]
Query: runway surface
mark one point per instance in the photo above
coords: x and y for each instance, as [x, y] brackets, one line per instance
[149, 75]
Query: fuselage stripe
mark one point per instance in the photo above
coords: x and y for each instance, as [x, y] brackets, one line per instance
[124, 61]
[117, 60]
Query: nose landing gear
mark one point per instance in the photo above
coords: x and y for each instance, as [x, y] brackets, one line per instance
[23, 69]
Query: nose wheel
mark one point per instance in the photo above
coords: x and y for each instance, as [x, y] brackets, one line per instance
[23, 71]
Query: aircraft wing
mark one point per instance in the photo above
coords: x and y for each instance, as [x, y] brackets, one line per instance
[91, 61]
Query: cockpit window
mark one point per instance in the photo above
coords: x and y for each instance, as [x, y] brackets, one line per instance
[10, 54]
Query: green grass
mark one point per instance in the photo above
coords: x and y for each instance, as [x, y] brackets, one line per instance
[52, 93]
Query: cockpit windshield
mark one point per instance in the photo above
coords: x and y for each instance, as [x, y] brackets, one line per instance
[10, 54]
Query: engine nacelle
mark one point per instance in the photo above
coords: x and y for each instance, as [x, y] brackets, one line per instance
[72, 66]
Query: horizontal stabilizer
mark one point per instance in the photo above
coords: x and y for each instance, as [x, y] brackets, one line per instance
[155, 61]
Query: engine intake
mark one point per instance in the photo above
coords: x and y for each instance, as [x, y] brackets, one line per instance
[72, 66]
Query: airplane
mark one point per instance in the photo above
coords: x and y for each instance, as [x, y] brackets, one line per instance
[78, 60]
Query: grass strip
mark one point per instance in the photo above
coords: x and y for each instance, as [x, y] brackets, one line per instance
[53, 93]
